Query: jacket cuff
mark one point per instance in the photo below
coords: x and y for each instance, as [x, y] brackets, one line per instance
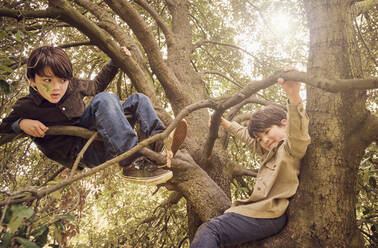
[16, 127]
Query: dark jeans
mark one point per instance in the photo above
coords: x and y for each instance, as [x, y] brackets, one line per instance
[232, 229]
[106, 115]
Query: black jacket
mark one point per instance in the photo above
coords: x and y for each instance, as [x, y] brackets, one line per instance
[67, 112]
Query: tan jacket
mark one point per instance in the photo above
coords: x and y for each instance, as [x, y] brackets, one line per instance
[277, 178]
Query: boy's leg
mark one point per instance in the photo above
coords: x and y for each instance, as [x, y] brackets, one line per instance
[143, 170]
[232, 229]
[140, 108]
[105, 114]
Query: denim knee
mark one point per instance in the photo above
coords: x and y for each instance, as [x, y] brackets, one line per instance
[105, 97]
[139, 97]
[207, 236]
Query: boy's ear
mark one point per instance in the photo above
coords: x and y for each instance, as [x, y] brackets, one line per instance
[283, 122]
[32, 83]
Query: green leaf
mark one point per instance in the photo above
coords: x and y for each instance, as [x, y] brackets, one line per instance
[372, 182]
[4, 86]
[67, 217]
[8, 216]
[366, 211]
[6, 68]
[39, 231]
[59, 226]
[40, 235]
[26, 243]
[14, 223]
[56, 194]
[6, 240]
[22, 211]
[19, 212]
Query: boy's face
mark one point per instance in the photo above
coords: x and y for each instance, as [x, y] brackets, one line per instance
[272, 136]
[50, 86]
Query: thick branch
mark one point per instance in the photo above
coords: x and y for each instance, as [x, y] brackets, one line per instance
[166, 77]
[160, 22]
[76, 44]
[196, 185]
[332, 85]
[367, 132]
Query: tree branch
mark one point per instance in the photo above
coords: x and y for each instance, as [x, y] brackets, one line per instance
[235, 109]
[164, 74]
[201, 43]
[50, 12]
[222, 75]
[230, 101]
[160, 22]
[98, 36]
[367, 132]
[332, 85]
[76, 44]
[240, 171]
[360, 7]
[82, 132]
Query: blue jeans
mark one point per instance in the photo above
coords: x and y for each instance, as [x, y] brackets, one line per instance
[232, 229]
[106, 115]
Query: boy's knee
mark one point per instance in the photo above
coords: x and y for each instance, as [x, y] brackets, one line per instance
[105, 97]
[139, 96]
[206, 234]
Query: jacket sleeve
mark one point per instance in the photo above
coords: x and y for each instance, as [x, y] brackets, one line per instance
[10, 123]
[297, 131]
[241, 133]
[101, 81]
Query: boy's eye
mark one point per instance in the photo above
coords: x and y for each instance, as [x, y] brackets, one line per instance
[47, 80]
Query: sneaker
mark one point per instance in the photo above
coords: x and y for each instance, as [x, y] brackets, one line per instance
[174, 141]
[144, 171]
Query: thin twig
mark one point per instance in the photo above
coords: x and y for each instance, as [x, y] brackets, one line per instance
[81, 154]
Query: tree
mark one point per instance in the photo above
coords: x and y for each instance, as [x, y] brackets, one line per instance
[164, 38]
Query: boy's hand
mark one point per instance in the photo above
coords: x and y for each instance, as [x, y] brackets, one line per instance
[33, 127]
[223, 122]
[291, 88]
[126, 51]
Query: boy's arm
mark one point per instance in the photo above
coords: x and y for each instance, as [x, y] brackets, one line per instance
[103, 78]
[297, 120]
[16, 123]
[101, 81]
[241, 133]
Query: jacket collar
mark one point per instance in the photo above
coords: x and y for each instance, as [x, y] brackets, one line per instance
[271, 153]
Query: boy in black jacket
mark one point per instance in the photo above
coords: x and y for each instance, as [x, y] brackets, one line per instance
[56, 98]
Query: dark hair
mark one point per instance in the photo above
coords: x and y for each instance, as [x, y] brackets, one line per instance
[265, 118]
[48, 56]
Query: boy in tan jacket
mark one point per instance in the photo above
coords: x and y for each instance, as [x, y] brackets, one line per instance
[281, 139]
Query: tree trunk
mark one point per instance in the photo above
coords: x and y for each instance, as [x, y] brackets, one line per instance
[323, 212]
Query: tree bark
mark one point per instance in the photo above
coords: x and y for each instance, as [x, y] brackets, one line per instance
[323, 212]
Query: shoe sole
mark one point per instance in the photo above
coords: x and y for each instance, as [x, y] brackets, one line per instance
[179, 136]
[150, 181]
